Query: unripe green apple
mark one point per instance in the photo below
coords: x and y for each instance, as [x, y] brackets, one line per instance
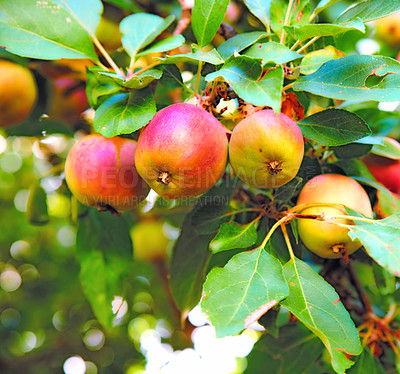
[101, 173]
[108, 34]
[323, 238]
[18, 93]
[266, 150]
[149, 241]
[182, 152]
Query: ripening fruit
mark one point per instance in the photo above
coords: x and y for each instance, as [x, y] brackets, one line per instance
[101, 173]
[68, 100]
[266, 150]
[327, 239]
[18, 93]
[149, 240]
[108, 34]
[384, 169]
[182, 151]
[388, 29]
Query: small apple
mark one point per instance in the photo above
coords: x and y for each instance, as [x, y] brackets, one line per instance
[108, 34]
[101, 172]
[327, 239]
[388, 29]
[182, 152]
[149, 241]
[68, 100]
[385, 170]
[18, 93]
[266, 149]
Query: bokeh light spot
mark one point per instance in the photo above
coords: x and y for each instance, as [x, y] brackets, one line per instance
[74, 365]
[10, 280]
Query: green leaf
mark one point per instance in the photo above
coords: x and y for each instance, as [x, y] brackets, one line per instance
[237, 295]
[377, 186]
[385, 281]
[352, 150]
[125, 113]
[97, 90]
[137, 81]
[314, 60]
[210, 210]
[299, 14]
[322, 5]
[369, 10]
[140, 29]
[36, 211]
[334, 127]
[45, 31]
[270, 321]
[387, 149]
[166, 44]
[87, 12]
[239, 42]
[104, 252]
[191, 255]
[207, 16]
[272, 51]
[366, 363]
[232, 235]
[294, 350]
[380, 239]
[261, 9]
[315, 303]
[126, 4]
[322, 29]
[243, 74]
[387, 206]
[212, 57]
[355, 78]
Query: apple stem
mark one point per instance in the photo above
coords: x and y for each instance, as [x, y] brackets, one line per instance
[287, 21]
[164, 178]
[108, 208]
[359, 288]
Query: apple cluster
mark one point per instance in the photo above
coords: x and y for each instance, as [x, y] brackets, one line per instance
[183, 151]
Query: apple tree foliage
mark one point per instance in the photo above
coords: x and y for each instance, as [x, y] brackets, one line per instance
[238, 251]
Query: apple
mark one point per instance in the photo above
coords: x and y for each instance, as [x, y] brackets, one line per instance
[324, 238]
[108, 34]
[385, 170]
[18, 93]
[266, 150]
[149, 241]
[388, 29]
[68, 100]
[182, 152]
[101, 172]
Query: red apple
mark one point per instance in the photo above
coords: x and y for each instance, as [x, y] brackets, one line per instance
[101, 172]
[327, 239]
[68, 100]
[182, 152]
[266, 150]
[384, 169]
